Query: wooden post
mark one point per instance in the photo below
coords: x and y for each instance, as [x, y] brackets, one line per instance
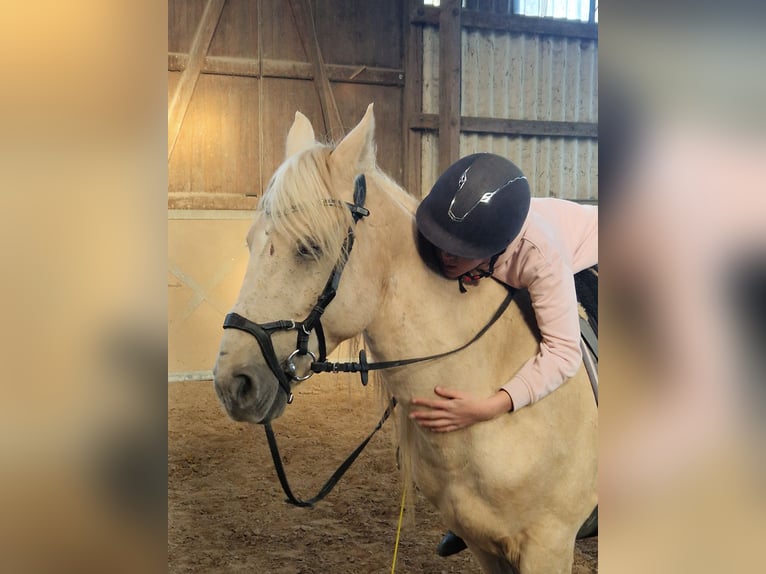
[449, 83]
[413, 99]
[179, 103]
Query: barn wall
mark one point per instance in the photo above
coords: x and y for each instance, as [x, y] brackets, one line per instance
[520, 76]
[256, 71]
[512, 75]
[238, 70]
[207, 257]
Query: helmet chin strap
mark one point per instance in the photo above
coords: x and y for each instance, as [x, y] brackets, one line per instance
[472, 277]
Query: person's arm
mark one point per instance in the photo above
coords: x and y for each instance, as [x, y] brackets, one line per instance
[554, 301]
[551, 289]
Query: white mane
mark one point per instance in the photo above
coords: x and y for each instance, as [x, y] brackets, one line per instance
[296, 201]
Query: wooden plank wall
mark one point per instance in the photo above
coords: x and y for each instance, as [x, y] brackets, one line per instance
[239, 69]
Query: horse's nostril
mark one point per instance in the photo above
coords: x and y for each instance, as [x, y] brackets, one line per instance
[244, 387]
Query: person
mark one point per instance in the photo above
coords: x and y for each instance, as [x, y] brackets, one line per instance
[481, 221]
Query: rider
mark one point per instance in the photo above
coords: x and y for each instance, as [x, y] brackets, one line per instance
[481, 220]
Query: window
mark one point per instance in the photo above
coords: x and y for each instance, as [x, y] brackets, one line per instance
[578, 10]
[565, 9]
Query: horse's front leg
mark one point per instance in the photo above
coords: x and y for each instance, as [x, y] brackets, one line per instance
[493, 564]
[539, 551]
[547, 552]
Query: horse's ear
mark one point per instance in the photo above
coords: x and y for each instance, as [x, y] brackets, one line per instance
[300, 136]
[357, 149]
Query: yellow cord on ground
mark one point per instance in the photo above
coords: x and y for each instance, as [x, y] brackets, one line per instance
[398, 530]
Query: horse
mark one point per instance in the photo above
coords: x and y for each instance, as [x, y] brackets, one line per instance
[516, 488]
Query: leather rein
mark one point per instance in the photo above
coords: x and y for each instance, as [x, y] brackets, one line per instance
[286, 371]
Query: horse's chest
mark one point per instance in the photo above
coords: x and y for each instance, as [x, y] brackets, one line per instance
[438, 480]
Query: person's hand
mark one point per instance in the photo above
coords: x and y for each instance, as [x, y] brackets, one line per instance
[457, 410]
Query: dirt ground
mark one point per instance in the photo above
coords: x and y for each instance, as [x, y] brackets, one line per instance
[226, 510]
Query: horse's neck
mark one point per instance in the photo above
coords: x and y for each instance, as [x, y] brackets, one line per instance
[420, 312]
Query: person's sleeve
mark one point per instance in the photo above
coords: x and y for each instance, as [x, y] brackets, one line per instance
[552, 291]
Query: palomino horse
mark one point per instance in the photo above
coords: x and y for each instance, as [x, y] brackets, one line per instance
[516, 488]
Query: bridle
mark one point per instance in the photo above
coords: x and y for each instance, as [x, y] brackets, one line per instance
[263, 331]
[288, 373]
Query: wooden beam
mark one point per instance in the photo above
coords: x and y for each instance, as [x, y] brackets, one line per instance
[506, 127]
[531, 127]
[179, 103]
[289, 69]
[202, 200]
[365, 75]
[304, 21]
[412, 104]
[511, 23]
[449, 82]
[224, 205]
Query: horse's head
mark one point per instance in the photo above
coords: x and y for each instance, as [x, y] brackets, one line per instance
[303, 227]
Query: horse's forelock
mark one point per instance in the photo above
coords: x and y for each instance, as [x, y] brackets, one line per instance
[295, 200]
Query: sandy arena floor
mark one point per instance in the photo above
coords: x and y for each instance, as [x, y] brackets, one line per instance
[226, 510]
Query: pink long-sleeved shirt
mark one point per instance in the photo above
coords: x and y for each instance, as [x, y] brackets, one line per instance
[558, 239]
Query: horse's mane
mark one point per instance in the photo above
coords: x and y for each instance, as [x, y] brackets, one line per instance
[296, 200]
[401, 198]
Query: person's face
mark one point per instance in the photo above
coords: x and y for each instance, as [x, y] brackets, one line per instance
[454, 266]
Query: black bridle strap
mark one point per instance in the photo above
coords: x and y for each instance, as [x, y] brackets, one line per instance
[358, 211]
[326, 296]
[262, 334]
[332, 481]
[363, 366]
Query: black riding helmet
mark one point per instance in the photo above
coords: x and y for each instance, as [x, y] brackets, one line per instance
[476, 207]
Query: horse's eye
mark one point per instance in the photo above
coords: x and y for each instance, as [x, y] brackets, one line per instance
[309, 250]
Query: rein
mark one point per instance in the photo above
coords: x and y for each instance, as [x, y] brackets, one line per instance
[332, 481]
[285, 375]
[364, 367]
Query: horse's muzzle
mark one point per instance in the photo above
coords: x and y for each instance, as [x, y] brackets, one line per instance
[249, 394]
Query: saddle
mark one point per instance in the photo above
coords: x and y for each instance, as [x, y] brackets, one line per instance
[586, 286]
